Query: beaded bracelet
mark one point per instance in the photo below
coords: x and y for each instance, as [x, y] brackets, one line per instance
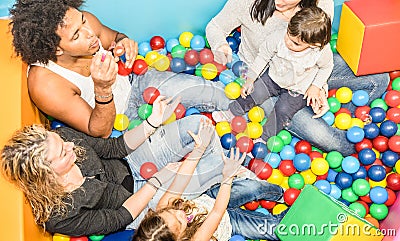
[103, 96]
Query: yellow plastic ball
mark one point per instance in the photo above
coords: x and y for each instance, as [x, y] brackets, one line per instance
[254, 130]
[357, 122]
[161, 63]
[344, 95]
[184, 39]
[278, 208]
[209, 71]
[238, 135]
[397, 167]
[319, 166]
[60, 237]
[285, 183]
[382, 183]
[121, 122]
[276, 177]
[223, 128]
[343, 121]
[140, 57]
[171, 119]
[256, 114]
[232, 90]
[151, 57]
[377, 153]
[308, 176]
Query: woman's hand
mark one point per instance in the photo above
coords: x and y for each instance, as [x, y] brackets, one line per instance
[232, 165]
[203, 137]
[247, 88]
[223, 54]
[162, 109]
[130, 48]
[104, 71]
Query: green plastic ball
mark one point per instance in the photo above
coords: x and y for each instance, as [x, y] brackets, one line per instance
[275, 144]
[349, 195]
[96, 237]
[145, 110]
[334, 159]
[396, 83]
[334, 104]
[378, 211]
[361, 187]
[296, 181]
[178, 51]
[240, 81]
[379, 103]
[285, 136]
[197, 72]
[358, 208]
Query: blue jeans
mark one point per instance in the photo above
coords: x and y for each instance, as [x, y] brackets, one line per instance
[317, 131]
[250, 224]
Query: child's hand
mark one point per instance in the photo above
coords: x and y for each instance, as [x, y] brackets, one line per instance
[232, 165]
[313, 96]
[321, 109]
[223, 54]
[247, 89]
[203, 137]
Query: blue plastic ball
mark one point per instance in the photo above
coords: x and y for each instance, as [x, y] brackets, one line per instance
[323, 185]
[388, 128]
[360, 174]
[331, 175]
[143, 48]
[273, 159]
[115, 133]
[335, 191]
[377, 173]
[367, 156]
[228, 141]
[235, 58]
[239, 68]
[355, 134]
[233, 43]
[378, 195]
[190, 69]
[262, 210]
[389, 158]
[301, 162]
[360, 98]
[287, 152]
[197, 42]
[377, 114]
[259, 150]
[343, 180]
[192, 111]
[350, 164]
[329, 118]
[294, 141]
[371, 131]
[171, 43]
[178, 65]
[238, 36]
[227, 76]
[237, 238]
[56, 124]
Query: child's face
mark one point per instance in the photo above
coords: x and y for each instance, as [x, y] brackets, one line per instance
[296, 44]
[176, 220]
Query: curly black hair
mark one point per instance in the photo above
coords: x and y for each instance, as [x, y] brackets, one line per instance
[34, 25]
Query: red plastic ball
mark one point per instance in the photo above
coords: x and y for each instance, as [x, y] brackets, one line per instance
[253, 163]
[180, 111]
[148, 169]
[238, 124]
[315, 154]
[157, 42]
[245, 144]
[332, 93]
[394, 74]
[322, 177]
[209, 116]
[150, 94]
[267, 204]
[391, 197]
[393, 181]
[122, 70]
[287, 168]
[393, 114]
[81, 238]
[263, 170]
[220, 67]
[392, 98]
[291, 195]
[365, 143]
[303, 146]
[362, 112]
[380, 143]
[206, 56]
[394, 143]
[253, 205]
[139, 67]
[365, 206]
[343, 110]
[366, 198]
[191, 57]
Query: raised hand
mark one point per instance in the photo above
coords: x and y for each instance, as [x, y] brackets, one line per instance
[162, 109]
[203, 137]
[233, 164]
[103, 70]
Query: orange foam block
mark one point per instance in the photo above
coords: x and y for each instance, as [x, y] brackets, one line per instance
[368, 37]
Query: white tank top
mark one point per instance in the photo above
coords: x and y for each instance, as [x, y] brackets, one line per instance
[121, 88]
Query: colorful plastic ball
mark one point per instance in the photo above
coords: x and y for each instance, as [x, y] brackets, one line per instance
[323, 185]
[233, 43]
[362, 113]
[197, 42]
[343, 180]
[378, 195]
[244, 143]
[263, 170]
[361, 173]
[361, 187]
[389, 158]
[170, 119]
[343, 121]
[379, 103]
[349, 195]
[355, 134]
[296, 181]
[273, 159]
[377, 173]
[256, 114]
[393, 181]
[191, 57]
[162, 63]
[222, 128]
[381, 143]
[122, 70]
[377, 114]
[357, 122]
[267, 204]
[239, 68]
[388, 128]
[121, 122]
[319, 166]
[80, 238]
[392, 98]
[360, 98]
[180, 111]
[396, 83]
[331, 175]
[350, 164]
[259, 150]
[329, 118]
[285, 136]
[287, 153]
[157, 42]
[178, 52]
[378, 211]
[145, 111]
[178, 65]
[393, 114]
[290, 195]
[279, 208]
[303, 146]
[334, 104]
[147, 169]
[237, 237]
[238, 124]
[287, 168]
[335, 192]
[301, 162]
[56, 124]
[358, 208]
[206, 56]
[171, 43]
[309, 176]
[115, 134]
[391, 197]
[252, 205]
[235, 58]
[227, 76]
[209, 71]
[96, 237]
[150, 94]
[394, 143]
[228, 141]
[185, 38]
[371, 130]
[139, 67]
[253, 163]
[144, 48]
[232, 90]
[365, 143]
[275, 144]
[334, 159]
[344, 95]
[60, 237]
[276, 177]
